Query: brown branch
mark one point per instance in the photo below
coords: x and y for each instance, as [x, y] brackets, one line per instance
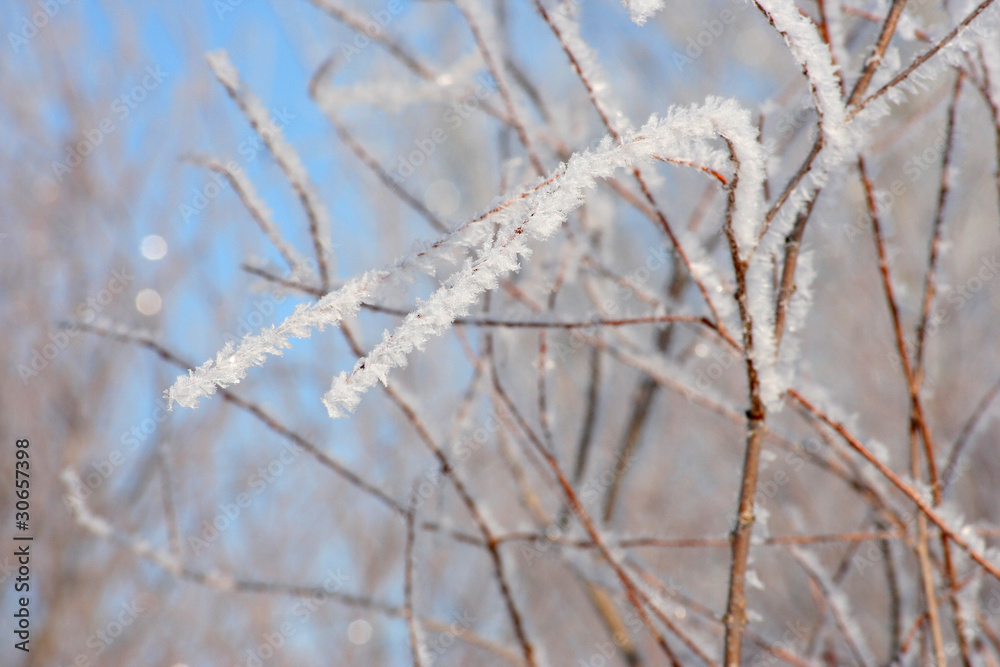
[635, 595]
[716, 542]
[908, 372]
[920, 60]
[736, 604]
[590, 416]
[898, 482]
[793, 241]
[921, 334]
[878, 51]
[596, 323]
[917, 422]
[793, 244]
[592, 324]
[875, 18]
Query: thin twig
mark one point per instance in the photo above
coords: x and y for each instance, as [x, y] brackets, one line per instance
[359, 24]
[994, 107]
[226, 582]
[502, 88]
[949, 473]
[258, 210]
[930, 284]
[918, 425]
[930, 289]
[635, 595]
[284, 155]
[465, 495]
[316, 93]
[408, 606]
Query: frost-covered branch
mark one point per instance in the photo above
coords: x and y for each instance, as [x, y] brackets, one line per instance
[538, 214]
[284, 154]
[301, 268]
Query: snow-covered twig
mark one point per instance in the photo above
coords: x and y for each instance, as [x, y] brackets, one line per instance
[261, 214]
[284, 154]
[537, 215]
